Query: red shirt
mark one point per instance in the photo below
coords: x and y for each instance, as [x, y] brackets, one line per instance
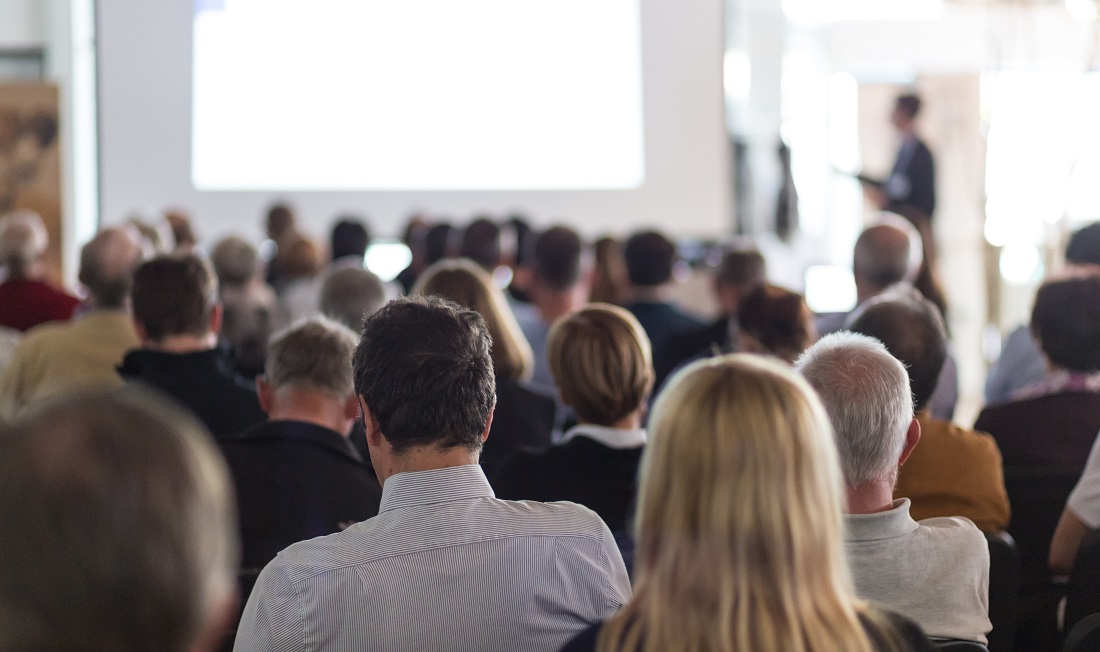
[25, 303]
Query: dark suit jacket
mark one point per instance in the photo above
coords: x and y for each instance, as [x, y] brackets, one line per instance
[296, 481]
[661, 320]
[582, 471]
[918, 168]
[1054, 432]
[203, 381]
[687, 345]
[524, 416]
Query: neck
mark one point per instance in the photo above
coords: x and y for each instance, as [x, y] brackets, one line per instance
[293, 404]
[421, 458]
[871, 497]
[657, 293]
[182, 343]
[552, 304]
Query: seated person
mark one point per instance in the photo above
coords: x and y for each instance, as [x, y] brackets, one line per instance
[350, 295]
[27, 298]
[649, 259]
[297, 476]
[1053, 424]
[524, 414]
[177, 317]
[445, 565]
[120, 514]
[739, 525]
[250, 310]
[603, 369]
[934, 571]
[775, 321]
[953, 472]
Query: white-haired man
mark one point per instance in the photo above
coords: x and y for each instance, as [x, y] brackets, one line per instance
[26, 299]
[935, 571]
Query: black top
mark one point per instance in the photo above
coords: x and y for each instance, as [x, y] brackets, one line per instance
[524, 416]
[203, 381]
[582, 470]
[912, 638]
[296, 481]
[918, 168]
[1055, 431]
[660, 320]
[688, 345]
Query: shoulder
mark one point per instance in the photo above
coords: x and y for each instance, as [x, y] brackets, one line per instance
[956, 535]
[963, 438]
[585, 641]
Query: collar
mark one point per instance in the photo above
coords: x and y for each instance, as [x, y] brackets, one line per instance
[891, 524]
[1059, 381]
[435, 486]
[610, 437]
[302, 431]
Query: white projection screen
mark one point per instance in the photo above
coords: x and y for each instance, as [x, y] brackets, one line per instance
[606, 114]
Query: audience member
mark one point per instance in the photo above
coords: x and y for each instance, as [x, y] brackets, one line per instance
[559, 286]
[610, 283]
[739, 525]
[649, 260]
[249, 307]
[116, 521]
[524, 415]
[177, 317]
[603, 369]
[517, 238]
[480, 242]
[83, 354]
[350, 295]
[450, 564]
[26, 297]
[739, 273]
[775, 321]
[296, 475]
[1053, 424]
[349, 241]
[953, 472]
[301, 269]
[438, 243]
[281, 226]
[934, 571]
[1021, 362]
[183, 232]
[416, 231]
[1080, 517]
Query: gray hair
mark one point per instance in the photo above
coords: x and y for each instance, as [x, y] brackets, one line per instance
[235, 261]
[118, 522]
[314, 354]
[107, 265]
[351, 295]
[866, 393]
[23, 240]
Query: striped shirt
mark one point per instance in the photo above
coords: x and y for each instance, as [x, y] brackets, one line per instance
[444, 566]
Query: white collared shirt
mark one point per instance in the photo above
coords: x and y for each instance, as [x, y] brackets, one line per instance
[610, 437]
[444, 566]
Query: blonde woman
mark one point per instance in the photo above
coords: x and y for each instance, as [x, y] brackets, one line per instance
[739, 525]
[524, 416]
[603, 368]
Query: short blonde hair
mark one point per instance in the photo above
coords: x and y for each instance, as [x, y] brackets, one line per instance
[464, 282]
[602, 362]
[739, 528]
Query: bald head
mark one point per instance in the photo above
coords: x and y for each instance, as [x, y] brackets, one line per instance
[23, 242]
[884, 255]
[107, 265]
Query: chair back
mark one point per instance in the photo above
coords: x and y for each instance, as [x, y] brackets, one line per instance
[1085, 636]
[1004, 586]
[1083, 591]
[1037, 497]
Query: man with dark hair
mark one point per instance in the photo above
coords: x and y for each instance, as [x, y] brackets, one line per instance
[559, 286]
[445, 565]
[177, 316]
[649, 260]
[1021, 362]
[911, 187]
[116, 521]
[297, 475]
[82, 354]
[953, 472]
[480, 242]
[350, 239]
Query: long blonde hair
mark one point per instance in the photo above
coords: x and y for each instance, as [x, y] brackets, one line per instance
[739, 529]
[467, 284]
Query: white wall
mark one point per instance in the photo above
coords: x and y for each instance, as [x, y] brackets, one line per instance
[22, 23]
[145, 90]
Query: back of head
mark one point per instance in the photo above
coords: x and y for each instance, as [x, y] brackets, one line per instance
[183, 232]
[866, 393]
[107, 265]
[301, 258]
[912, 330]
[739, 515]
[350, 295]
[23, 241]
[235, 261]
[909, 104]
[118, 523]
[424, 370]
[602, 363]
[1066, 321]
[741, 268]
[350, 238]
[883, 256]
[609, 277]
[470, 286]
[1083, 247]
[174, 295]
[649, 258]
[280, 221]
[437, 242]
[557, 258]
[480, 243]
[313, 355]
[778, 322]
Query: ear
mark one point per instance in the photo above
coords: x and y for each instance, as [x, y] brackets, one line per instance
[370, 425]
[912, 436]
[139, 330]
[216, 318]
[351, 408]
[489, 423]
[265, 393]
